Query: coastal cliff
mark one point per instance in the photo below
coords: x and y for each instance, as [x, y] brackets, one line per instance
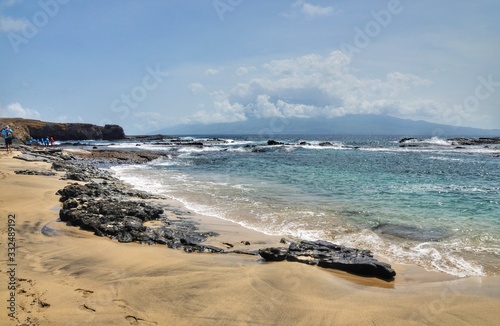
[25, 129]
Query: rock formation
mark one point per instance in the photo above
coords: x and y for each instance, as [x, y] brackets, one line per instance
[329, 255]
[25, 129]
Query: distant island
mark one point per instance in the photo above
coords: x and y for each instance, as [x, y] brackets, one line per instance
[352, 124]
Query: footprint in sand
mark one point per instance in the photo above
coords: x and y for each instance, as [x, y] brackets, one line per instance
[84, 292]
[120, 303]
[133, 320]
[86, 308]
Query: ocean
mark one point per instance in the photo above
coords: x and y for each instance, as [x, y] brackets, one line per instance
[432, 204]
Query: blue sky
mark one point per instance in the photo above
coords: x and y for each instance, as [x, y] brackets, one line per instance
[148, 64]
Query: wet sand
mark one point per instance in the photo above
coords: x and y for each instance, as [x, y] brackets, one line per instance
[67, 276]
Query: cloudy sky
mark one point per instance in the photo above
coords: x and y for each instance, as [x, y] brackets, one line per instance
[147, 64]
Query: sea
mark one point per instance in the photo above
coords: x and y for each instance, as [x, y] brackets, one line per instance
[427, 202]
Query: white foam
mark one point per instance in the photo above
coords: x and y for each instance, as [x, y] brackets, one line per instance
[193, 149]
[438, 141]
[432, 256]
[442, 158]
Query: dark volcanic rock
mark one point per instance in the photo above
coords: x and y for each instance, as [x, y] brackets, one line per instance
[33, 158]
[474, 141]
[33, 172]
[274, 254]
[329, 255]
[81, 172]
[119, 156]
[112, 132]
[107, 210]
[410, 139]
[274, 142]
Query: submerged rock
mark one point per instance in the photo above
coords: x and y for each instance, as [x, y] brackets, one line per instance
[411, 232]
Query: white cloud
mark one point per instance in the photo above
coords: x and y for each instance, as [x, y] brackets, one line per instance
[9, 24]
[213, 71]
[196, 88]
[265, 109]
[398, 77]
[320, 86]
[312, 10]
[309, 10]
[241, 90]
[223, 110]
[245, 70]
[16, 110]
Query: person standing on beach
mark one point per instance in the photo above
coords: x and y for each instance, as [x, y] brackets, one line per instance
[8, 134]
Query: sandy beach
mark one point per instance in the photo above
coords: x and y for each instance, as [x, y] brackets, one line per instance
[67, 276]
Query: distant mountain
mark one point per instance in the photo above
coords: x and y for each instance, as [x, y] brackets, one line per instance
[353, 124]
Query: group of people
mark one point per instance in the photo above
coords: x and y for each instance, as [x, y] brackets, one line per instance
[42, 141]
[8, 134]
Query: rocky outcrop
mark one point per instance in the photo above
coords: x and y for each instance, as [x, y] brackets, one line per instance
[25, 129]
[35, 172]
[329, 255]
[116, 156]
[107, 210]
[409, 139]
[107, 207]
[274, 142]
[453, 141]
[475, 141]
[112, 132]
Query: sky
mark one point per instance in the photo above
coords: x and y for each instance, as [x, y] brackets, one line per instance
[150, 64]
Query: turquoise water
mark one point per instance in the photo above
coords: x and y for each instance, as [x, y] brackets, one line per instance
[433, 205]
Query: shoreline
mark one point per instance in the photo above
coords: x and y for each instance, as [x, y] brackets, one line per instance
[72, 276]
